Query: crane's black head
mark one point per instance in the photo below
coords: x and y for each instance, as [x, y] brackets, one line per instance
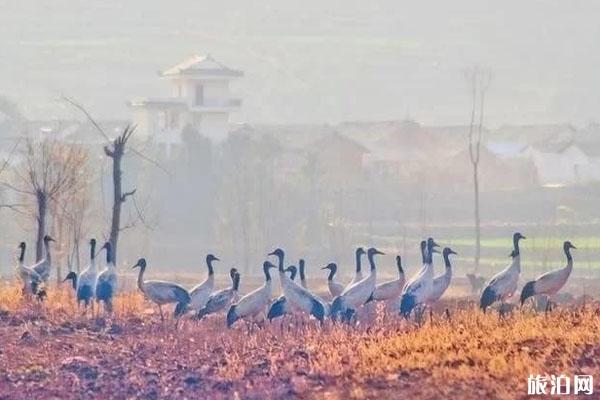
[141, 263]
[48, 239]
[372, 251]
[268, 265]
[293, 271]
[211, 257]
[447, 251]
[431, 243]
[106, 246]
[330, 266]
[22, 245]
[568, 245]
[360, 251]
[232, 272]
[92, 242]
[72, 276]
[399, 261]
[277, 252]
[517, 236]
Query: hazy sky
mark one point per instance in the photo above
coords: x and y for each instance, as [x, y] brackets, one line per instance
[311, 60]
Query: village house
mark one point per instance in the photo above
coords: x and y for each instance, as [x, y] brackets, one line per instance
[200, 99]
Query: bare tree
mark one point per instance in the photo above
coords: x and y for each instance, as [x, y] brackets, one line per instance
[479, 82]
[51, 170]
[115, 152]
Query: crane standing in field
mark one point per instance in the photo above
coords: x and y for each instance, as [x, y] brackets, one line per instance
[107, 281]
[357, 294]
[298, 297]
[220, 299]
[504, 284]
[31, 279]
[442, 282]
[255, 302]
[280, 306]
[86, 283]
[199, 294]
[551, 282]
[418, 289]
[162, 292]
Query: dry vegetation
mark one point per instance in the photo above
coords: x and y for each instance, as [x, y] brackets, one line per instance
[51, 351]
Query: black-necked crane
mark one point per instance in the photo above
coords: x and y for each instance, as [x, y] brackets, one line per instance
[442, 282]
[390, 290]
[504, 284]
[418, 289]
[255, 302]
[106, 286]
[44, 266]
[87, 280]
[220, 299]
[335, 288]
[200, 293]
[280, 306]
[31, 279]
[357, 294]
[162, 292]
[298, 297]
[551, 282]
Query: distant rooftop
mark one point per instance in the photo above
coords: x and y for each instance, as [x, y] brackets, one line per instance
[201, 65]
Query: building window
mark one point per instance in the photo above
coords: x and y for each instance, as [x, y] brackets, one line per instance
[199, 95]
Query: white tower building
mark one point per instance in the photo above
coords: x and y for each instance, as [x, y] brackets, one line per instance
[200, 99]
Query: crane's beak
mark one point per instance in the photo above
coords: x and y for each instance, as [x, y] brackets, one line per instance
[135, 266]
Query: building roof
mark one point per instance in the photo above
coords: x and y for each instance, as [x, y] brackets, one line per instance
[201, 65]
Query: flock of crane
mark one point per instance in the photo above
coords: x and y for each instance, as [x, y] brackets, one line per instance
[404, 296]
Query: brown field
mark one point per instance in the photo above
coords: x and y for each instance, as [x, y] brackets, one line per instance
[51, 351]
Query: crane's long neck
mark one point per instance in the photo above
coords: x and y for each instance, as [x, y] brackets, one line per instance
[236, 282]
[424, 252]
[48, 255]
[399, 264]
[569, 258]
[301, 268]
[74, 282]
[447, 264]
[209, 265]
[516, 246]
[22, 256]
[331, 274]
[140, 280]
[267, 274]
[371, 256]
[429, 260]
[109, 260]
[93, 256]
[280, 257]
[358, 261]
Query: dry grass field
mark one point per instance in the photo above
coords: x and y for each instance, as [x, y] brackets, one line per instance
[51, 351]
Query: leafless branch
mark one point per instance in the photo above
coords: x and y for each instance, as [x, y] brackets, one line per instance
[87, 115]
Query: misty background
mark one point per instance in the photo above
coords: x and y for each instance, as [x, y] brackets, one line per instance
[352, 131]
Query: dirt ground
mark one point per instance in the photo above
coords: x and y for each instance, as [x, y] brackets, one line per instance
[51, 351]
